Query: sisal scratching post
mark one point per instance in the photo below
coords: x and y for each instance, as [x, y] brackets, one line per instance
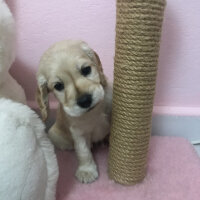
[138, 31]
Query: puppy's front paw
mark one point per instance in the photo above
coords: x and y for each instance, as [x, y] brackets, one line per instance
[87, 174]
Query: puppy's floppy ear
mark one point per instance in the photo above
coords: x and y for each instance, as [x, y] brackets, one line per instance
[94, 56]
[100, 70]
[42, 97]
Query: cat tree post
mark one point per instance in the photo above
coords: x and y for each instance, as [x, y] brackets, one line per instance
[138, 31]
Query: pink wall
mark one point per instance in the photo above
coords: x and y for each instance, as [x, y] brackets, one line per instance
[178, 82]
[41, 23]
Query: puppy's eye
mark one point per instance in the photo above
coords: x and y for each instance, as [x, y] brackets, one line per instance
[59, 86]
[85, 70]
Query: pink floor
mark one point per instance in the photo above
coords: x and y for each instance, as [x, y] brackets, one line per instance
[173, 174]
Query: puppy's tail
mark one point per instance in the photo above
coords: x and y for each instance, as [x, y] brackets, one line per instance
[7, 38]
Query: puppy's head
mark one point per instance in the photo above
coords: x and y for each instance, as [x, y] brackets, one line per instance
[73, 72]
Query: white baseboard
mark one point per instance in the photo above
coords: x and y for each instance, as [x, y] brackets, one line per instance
[181, 126]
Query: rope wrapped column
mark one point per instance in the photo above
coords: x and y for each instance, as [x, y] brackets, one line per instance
[138, 31]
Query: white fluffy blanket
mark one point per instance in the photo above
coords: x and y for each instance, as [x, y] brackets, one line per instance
[8, 85]
[28, 165]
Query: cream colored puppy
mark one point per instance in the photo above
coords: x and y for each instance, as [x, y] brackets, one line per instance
[73, 72]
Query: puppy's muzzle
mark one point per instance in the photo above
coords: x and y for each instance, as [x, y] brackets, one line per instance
[85, 100]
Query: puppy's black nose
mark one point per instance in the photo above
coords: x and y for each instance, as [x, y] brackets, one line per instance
[85, 101]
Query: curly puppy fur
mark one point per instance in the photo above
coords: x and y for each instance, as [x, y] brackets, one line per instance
[73, 72]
